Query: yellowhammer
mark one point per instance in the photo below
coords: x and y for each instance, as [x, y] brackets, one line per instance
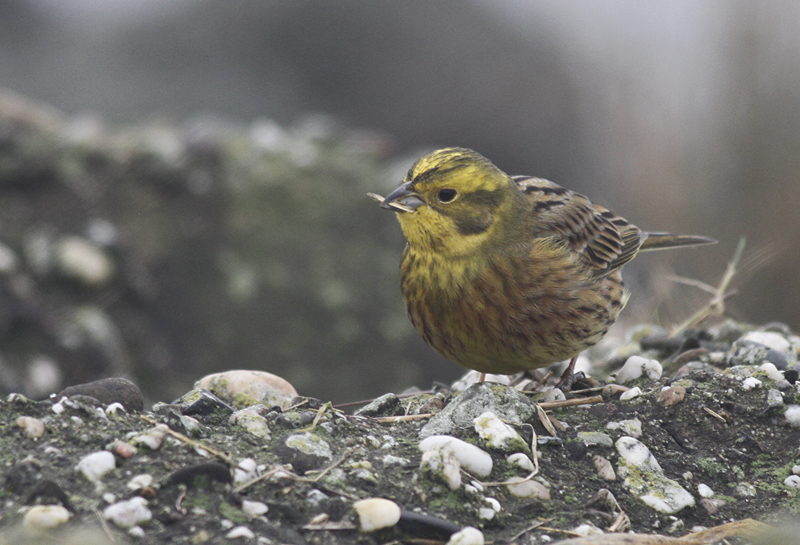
[506, 273]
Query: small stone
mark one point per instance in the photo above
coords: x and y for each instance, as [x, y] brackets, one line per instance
[527, 489]
[128, 513]
[671, 396]
[630, 394]
[305, 451]
[745, 490]
[245, 471]
[792, 415]
[774, 398]
[243, 388]
[95, 465]
[645, 478]
[796, 469]
[240, 531]
[143, 480]
[252, 422]
[254, 509]
[636, 367]
[604, 468]
[585, 530]
[507, 403]
[498, 434]
[440, 464]
[521, 460]
[199, 402]
[488, 513]
[45, 517]
[124, 450]
[593, 438]
[469, 456]
[772, 372]
[770, 339]
[553, 394]
[152, 438]
[109, 390]
[84, 261]
[711, 505]
[632, 427]
[467, 536]
[705, 491]
[750, 383]
[32, 427]
[386, 405]
[376, 513]
[792, 481]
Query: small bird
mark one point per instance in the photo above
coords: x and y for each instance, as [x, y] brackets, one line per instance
[507, 273]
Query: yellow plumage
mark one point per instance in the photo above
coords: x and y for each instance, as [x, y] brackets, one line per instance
[503, 274]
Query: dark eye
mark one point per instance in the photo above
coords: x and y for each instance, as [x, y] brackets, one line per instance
[447, 195]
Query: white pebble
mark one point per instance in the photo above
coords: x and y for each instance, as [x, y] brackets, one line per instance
[520, 460]
[796, 470]
[376, 513]
[254, 509]
[632, 427]
[750, 383]
[243, 388]
[636, 367]
[469, 456]
[497, 433]
[527, 489]
[97, 464]
[630, 394]
[774, 340]
[486, 513]
[45, 516]
[115, 408]
[128, 513]
[604, 468]
[705, 491]
[143, 480]
[792, 481]
[772, 371]
[240, 531]
[84, 261]
[440, 461]
[245, 471]
[493, 503]
[57, 408]
[467, 536]
[585, 530]
[152, 438]
[33, 427]
[792, 415]
[553, 394]
[645, 478]
[637, 454]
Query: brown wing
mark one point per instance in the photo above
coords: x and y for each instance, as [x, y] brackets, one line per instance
[604, 240]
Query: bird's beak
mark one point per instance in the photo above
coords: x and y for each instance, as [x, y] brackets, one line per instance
[404, 196]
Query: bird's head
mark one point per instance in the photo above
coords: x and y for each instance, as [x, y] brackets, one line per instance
[451, 200]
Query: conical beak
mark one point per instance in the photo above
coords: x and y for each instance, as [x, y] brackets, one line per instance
[405, 191]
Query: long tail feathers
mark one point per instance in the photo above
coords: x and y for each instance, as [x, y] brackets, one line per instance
[658, 241]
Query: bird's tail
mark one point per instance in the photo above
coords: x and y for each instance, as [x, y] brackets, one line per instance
[658, 241]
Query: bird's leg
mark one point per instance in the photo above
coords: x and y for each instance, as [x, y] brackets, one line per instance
[568, 376]
[483, 377]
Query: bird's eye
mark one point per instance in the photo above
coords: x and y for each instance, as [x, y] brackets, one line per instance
[447, 195]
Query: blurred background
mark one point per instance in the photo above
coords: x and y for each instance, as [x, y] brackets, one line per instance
[183, 181]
